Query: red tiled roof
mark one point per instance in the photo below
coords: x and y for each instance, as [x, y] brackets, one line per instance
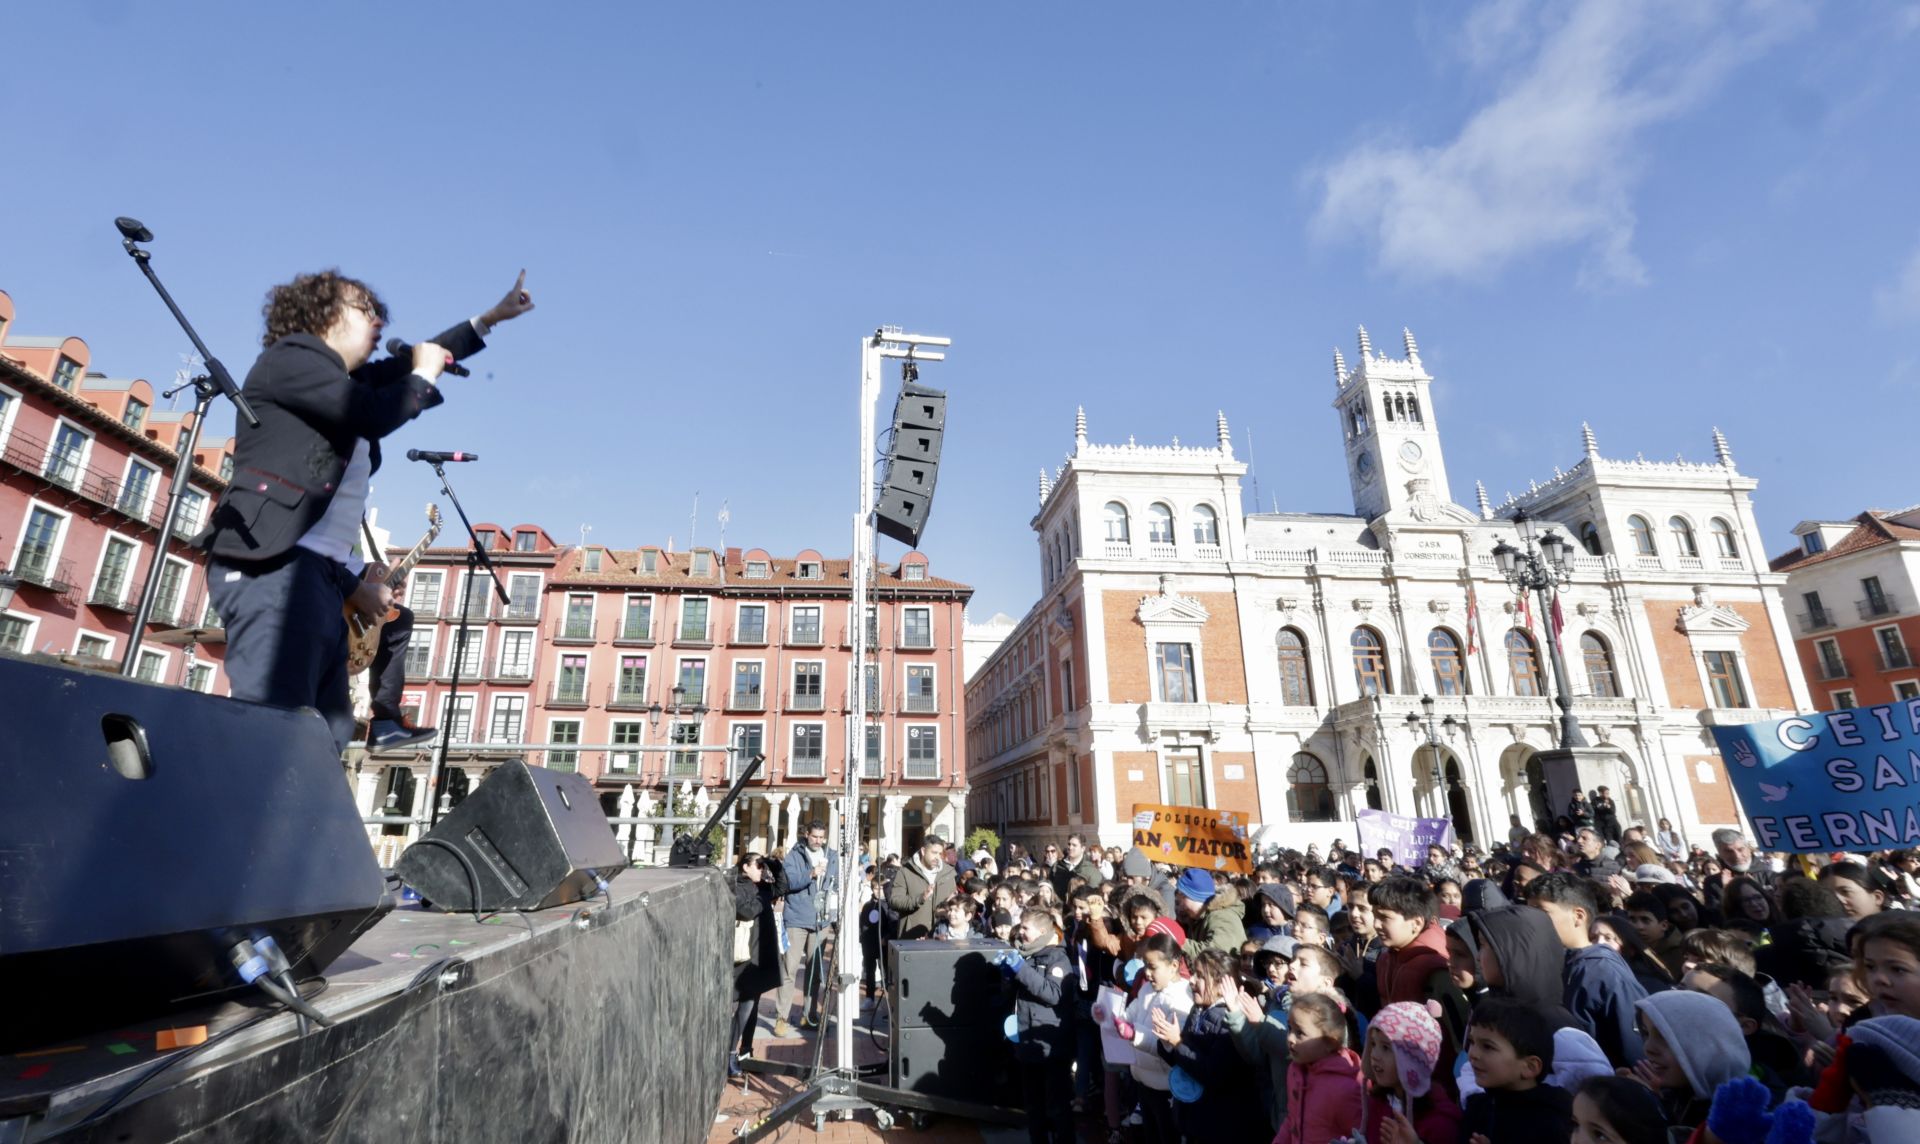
[1870, 530]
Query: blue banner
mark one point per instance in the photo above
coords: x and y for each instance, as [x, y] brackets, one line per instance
[1407, 837]
[1842, 780]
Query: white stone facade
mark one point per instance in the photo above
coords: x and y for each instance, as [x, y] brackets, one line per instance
[1165, 664]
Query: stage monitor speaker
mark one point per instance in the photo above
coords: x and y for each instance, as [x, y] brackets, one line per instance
[938, 983]
[973, 1063]
[145, 830]
[533, 837]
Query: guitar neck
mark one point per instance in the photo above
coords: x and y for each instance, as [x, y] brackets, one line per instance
[399, 571]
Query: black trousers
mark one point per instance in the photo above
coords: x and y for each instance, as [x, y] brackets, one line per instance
[1047, 1087]
[287, 635]
[389, 670]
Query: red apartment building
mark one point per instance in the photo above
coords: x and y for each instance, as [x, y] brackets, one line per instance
[655, 672]
[85, 466]
[1851, 584]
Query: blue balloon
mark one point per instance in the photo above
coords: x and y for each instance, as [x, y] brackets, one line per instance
[1011, 1026]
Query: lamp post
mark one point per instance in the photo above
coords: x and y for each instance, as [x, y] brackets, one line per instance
[1543, 565]
[1423, 725]
[9, 584]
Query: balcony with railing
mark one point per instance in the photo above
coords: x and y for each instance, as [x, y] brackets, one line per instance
[418, 665]
[1874, 607]
[568, 693]
[113, 597]
[513, 669]
[515, 613]
[804, 635]
[634, 632]
[1815, 619]
[748, 635]
[627, 695]
[911, 640]
[746, 699]
[1832, 666]
[699, 635]
[175, 613]
[927, 703]
[573, 630]
[1894, 658]
[806, 701]
[37, 569]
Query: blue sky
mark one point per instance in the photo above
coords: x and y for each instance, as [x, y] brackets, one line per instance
[1656, 217]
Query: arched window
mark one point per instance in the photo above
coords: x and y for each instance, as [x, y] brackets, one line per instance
[1206, 525]
[1370, 663]
[1372, 776]
[1449, 670]
[1523, 659]
[1309, 795]
[1601, 680]
[1118, 530]
[1296, 680]
[1413, 409]
[1159, 524]
[1642, 536]
[1590, 538]
[1723, 539]
[1682, 536]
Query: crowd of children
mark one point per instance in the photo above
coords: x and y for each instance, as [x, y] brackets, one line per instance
[1552, 991]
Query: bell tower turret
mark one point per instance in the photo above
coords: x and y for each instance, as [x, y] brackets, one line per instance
[1385, 405]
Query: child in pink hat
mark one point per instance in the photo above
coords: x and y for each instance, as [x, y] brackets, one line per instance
[1404, 1104]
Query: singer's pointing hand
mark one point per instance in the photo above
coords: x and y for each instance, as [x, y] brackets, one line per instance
[429, 360]
[516, 303]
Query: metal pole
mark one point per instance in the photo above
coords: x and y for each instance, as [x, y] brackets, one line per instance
[1570, 735]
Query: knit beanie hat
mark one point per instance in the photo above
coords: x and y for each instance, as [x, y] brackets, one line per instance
[1884, 1054]
[1136, 864]
[1415, 1037]
[1195, 884]
[1702, 1034]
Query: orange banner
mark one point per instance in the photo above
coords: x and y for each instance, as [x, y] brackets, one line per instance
[1213, 840]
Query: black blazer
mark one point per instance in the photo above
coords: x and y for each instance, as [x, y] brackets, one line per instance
[312, 413]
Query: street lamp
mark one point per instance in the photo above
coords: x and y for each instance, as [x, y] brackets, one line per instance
[1424, 726]
[1543, 566]
[9, 584]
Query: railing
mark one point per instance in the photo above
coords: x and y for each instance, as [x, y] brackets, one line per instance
[567, 693]
[748, 636]
[1895, 657]
[503, 670]
[1811, 621]
[754, 700]
[1209, 552]
[115, 598]
[919, 704]
[1876, 606]
[1834, 667]
[626, 697]
[915, 641]
[1689, 563]
[809, 636]
[800, 701]
[573, 630]
[689, 698]
[1162, 550]
[632, 632]
[806, 766]
[701, 634]
[516, 613]
[425, 609]
[1117, 548]
[1732, 564]
[418, 667]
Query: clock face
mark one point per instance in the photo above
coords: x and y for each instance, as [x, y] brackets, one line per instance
[1364, 467]
[1410, 453]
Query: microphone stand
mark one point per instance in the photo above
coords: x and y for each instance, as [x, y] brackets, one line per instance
[216, 380]
[477, 559]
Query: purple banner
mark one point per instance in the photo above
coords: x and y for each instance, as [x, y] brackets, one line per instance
[1408, 838]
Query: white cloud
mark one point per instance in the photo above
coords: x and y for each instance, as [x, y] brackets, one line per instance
[1899, 301]
[1553, 160]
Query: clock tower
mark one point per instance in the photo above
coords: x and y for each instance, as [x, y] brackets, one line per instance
[1393, 448]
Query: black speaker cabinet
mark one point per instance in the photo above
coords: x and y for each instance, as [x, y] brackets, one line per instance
[960, 1062]
[534, 838]
[144, 830]
[937, 983]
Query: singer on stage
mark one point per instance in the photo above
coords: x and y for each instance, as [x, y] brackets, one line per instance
[281, 540]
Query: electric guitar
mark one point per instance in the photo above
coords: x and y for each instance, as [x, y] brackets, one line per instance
[363, 634]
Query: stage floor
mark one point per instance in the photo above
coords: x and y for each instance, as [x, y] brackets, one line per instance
[443, 1024]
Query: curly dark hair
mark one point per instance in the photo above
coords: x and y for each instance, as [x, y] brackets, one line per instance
[310, 303]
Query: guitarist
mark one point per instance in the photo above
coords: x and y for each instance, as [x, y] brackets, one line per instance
[281, 539]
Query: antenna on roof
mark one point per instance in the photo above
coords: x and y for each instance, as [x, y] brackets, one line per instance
[584, 529]
[693, 523]
[724, 516]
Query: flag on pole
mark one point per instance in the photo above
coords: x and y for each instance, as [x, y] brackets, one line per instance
[1473, 620]
[1525, 611]
[1559, 619]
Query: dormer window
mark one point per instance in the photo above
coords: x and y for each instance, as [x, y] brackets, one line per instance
[808, 570]
[525, 539]
[136, 414]
[1811, 544]
[66, 373]
[649, 560]
[591, 561]
[914, 571]
[758, 570]
[702, 563]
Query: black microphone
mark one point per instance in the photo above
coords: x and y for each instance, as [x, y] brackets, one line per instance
[439, 458]
[401, 349]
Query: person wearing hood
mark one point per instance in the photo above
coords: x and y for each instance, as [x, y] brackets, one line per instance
[1777, 1062]
[1600, 987]
[1211, 913]
[1414, 969]
[1272, 912]
[1481, 894]
[1521, 957]
[1693, 1046]
[923, 883]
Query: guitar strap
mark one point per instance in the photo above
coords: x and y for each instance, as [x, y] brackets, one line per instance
[373, 546]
